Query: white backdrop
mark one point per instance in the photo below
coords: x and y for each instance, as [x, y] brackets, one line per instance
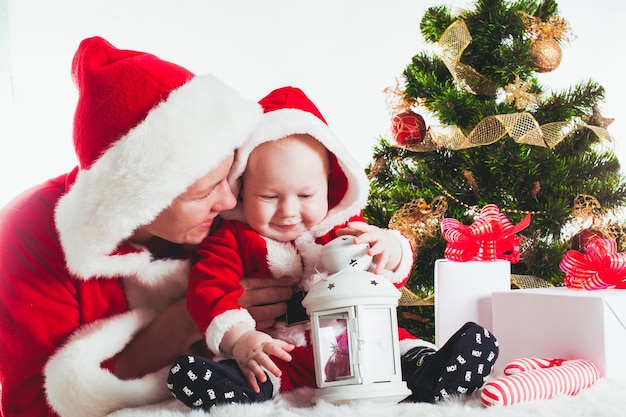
[342, 53]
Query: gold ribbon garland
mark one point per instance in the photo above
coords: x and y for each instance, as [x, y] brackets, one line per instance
[521, 127]
[409, 298]
[452, 43]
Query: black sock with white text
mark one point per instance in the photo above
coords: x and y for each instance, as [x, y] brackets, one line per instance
[203, 383]
[459, 367]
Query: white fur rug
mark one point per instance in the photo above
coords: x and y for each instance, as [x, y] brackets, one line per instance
[605, 398]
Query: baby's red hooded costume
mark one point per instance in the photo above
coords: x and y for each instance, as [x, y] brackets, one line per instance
[234, 250]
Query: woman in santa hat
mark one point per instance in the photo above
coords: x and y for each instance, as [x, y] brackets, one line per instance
[300, 188]
[94, 263]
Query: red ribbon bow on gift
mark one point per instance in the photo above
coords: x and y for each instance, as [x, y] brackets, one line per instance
[601, 267]
[492, 236]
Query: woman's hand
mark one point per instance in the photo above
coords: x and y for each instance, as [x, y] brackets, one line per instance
[158, 344]
[266, 298]
[173, 331]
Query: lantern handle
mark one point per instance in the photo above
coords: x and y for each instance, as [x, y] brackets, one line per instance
[366, 259]
[325, 278]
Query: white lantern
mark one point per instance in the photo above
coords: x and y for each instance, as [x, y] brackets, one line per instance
[354, 329]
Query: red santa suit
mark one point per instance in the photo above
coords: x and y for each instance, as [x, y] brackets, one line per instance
[73, 290]
[234, 250]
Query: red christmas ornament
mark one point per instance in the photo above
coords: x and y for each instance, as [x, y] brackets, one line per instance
[581, 239]
[408, 128]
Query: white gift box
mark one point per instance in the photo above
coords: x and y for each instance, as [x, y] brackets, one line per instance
[463, 293]
[561, 323]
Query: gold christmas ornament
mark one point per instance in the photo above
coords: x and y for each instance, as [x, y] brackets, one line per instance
[589, 215]
[518, 93]
[418, 220]
[618, 231]
[587, 207]
[546, 54]
[545, 50]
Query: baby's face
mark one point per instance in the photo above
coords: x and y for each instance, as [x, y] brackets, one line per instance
[285, 187]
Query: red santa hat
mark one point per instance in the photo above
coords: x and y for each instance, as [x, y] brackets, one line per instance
[144, 130]
[288, 111]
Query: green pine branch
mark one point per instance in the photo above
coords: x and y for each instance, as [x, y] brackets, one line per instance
[519, 178]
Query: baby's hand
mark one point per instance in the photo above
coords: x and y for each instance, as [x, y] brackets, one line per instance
[252, 351]
[384, 246]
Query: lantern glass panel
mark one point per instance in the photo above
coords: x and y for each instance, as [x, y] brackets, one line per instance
[376, 343]
[334, 341]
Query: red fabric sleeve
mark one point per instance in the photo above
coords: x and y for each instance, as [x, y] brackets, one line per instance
[231, 252]
[322, 240]
[40, 303]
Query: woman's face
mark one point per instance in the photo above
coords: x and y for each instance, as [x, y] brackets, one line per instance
[190, 216]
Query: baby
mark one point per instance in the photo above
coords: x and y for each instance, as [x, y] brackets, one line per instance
[299, 189]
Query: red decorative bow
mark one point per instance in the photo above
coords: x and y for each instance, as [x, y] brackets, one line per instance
[601, 267]
[490, 237]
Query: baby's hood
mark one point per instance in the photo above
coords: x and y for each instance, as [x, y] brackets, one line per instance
[288, 111]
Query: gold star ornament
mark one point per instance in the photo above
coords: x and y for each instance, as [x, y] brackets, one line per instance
[518, 93]
[598, 120]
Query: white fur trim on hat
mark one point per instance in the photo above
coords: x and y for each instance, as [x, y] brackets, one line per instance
[77, 386]
[280, 123]
[408, 344]
[181, 139]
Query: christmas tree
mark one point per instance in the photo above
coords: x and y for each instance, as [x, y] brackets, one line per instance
[498, 137]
